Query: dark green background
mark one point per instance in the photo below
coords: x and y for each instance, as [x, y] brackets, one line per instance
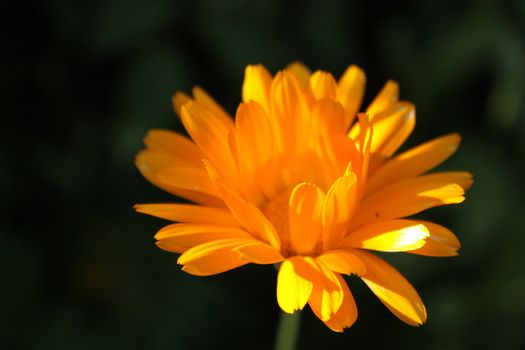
[83, 81]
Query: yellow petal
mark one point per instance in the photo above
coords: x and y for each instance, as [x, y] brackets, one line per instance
[342, 261]
[388, 236]
[350, 92]
[259, 253]
[415, 161]
[338, 208]
[294, 284]
[323, 85]
[347, 313]
[327, 293]
[305, 209]
[188, 213]
[178, 238]
[211, 258]
[384, 100]
[394, 291]
[441, 242]
[392, 128]
[247, 214]
[412, 196]
[256, 86]
[300, 71]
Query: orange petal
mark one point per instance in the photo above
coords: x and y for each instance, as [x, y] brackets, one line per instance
[384, 100]
[347, 313]
[394, 291]
[259, 253]
[151, 164]
[323, 85]
[300, 71]
[305, 209]
[178, 100]
[338, 208]
[388, 236]
[287, 111]
[248, 215]
[342, 261]
[412, 196]
[179, 147]
[294, 284]
[178, 238]
[392, 128]
[415, 161]
[188, 213]
[327, 293]
[256, 86]
[350, 92]
[254, 139]
[441, 242]
[213, 257]
[206, 100]
[210, 132]
[189, 179]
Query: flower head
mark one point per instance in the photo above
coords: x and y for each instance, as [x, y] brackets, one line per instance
[300, 178]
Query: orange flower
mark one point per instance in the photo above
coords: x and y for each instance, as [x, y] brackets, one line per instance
[295, 179]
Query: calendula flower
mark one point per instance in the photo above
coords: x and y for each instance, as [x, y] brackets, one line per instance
[300, 178]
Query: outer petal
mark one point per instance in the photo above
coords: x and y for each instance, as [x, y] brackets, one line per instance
[188, 178]
[206, 100]
[178, 100]
[441, 242]
[258, 252]
[386, 98]
[342, 261]
[300, 71]
[188, 213]
[178, 238]
[306, 203]
[152, 164]
[288, 112]
[392, 128]
[256, 86]
[327, 294]
[294, 284]
[415, 161]
[350, 92]
[347, 313]
[210, 132]
[394, 291]
[323, 85]
[412, 196]
[213, 257]
[175, 145]
[388, 236]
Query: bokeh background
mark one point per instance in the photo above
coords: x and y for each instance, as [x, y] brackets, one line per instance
[83, 81]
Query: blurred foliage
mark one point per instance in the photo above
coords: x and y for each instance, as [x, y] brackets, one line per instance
[83, 81]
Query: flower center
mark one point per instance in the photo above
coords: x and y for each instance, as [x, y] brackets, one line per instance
[277, 212]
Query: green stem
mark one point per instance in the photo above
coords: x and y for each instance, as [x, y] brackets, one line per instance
[287, 331]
